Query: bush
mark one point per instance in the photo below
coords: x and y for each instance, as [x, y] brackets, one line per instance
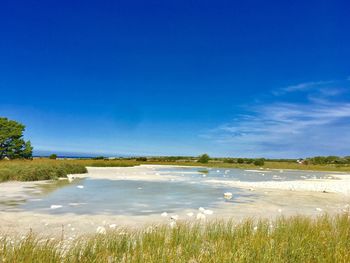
[204, 158]
[53, 156]
[259, 162]
[240, 160]
[141, 159]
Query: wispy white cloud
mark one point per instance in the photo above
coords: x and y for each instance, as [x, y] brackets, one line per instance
[283, 128]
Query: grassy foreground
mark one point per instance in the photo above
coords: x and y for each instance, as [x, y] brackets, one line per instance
[296, 239]
[26, 170]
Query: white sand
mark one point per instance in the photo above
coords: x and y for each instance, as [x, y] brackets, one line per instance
[341, 186]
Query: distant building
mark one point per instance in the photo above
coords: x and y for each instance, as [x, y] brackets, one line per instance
[300, 161]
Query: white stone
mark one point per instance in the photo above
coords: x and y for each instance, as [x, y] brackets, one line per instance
[101, 230]
[228, 195]
[201, 209]
[55, 206]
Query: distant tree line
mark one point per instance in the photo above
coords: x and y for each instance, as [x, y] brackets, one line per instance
[321, 160]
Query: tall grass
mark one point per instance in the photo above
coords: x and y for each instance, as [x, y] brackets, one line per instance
[37, 170]
[296, 239]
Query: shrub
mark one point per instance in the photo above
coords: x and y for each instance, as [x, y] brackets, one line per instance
[204, 158]
[53, 156]
[240, 160]
[259, 162]
[141, 159]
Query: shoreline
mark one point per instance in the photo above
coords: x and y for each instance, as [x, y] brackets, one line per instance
[272, 199]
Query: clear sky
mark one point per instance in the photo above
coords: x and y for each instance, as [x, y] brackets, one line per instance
[230, 78]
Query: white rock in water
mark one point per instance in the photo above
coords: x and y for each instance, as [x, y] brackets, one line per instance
[112, 226]
[201, 209]
[164, 214]
[200, 216]
[101, 230]
[208, 212]
[55, 206]
[80, 186]
[190, 214]
[174, 217]
[218, 171]
[228, 195]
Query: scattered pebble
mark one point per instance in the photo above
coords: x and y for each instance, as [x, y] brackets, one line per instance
[228, 195]
[55, 206]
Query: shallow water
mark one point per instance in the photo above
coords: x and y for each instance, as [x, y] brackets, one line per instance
[258, 175]
[131, 197]
[128, 197]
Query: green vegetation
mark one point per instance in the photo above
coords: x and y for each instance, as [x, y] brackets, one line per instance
[204, 158]
[322, 160]
[53, 156]
[38, 170]
[12, 144]
[296, 239]
[259, 162]
[44, 168]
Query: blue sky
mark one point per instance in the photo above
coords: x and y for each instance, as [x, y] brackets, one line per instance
[230, 78]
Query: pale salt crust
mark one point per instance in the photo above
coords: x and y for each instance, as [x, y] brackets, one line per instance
[341, 186]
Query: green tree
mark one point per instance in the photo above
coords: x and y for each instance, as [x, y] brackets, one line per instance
[12, 144]
[53, 156]
[204, 158]
[259, 162]
[240, 160]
